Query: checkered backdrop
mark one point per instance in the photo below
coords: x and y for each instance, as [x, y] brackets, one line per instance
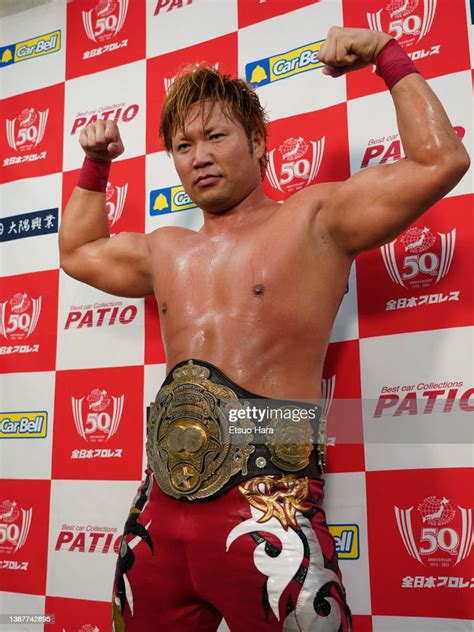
[79, 366]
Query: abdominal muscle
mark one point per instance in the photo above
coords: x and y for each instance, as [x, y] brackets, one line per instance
[266, 357]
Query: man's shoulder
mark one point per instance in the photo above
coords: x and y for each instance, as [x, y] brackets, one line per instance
[315, 196]
[308, 203]
[168, 235]
[314, 204]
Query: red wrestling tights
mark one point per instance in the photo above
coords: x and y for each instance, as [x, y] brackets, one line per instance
[258, 557]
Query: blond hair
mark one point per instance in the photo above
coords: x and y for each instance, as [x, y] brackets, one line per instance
[200, 83]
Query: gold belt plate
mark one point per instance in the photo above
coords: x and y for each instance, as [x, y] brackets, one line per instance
[188, 445]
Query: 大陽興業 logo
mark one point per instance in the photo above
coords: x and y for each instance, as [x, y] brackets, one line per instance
[42, 222]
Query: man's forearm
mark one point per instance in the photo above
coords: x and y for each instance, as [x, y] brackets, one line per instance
[426, 133]
[84, 220]
[85, 217]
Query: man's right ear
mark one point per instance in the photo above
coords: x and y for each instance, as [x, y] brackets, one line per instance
[258, 144]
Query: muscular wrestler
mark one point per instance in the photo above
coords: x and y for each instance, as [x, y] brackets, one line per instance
[222, 529]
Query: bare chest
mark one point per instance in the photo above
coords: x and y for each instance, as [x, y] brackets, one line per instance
[247, 277]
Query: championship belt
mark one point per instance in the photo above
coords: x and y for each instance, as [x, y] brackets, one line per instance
[194, 452]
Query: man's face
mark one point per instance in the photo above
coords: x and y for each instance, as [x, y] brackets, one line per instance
[216, 163]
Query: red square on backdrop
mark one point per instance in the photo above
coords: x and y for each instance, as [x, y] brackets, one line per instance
[419, 281]
[307, 149]
[161, 71]
[103, 34]
[78, 614]
[154, 351]
[98, 429]
[31, 132]
[432, 32]
[342, 393]
[24, 514]
[420, 539]
[362, 623]
[252, 11]
[125, 195]
[28, 321]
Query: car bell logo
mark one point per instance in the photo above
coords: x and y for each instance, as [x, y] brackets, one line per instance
[296, 164]
[19, 316]
[115, 200]
[15, 524]
[438, 542]
[105, 20]
[426, 259]
[346, 539]
[403, 19]
[102, 415]
[26, 131]
[169, 200]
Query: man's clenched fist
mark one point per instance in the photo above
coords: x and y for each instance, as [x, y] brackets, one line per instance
[101, 141]
[346, 50]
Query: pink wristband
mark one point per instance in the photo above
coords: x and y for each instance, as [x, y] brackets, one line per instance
[393, 63]
[94, 175]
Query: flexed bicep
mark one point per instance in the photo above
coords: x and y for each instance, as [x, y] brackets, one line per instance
[119, 265]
